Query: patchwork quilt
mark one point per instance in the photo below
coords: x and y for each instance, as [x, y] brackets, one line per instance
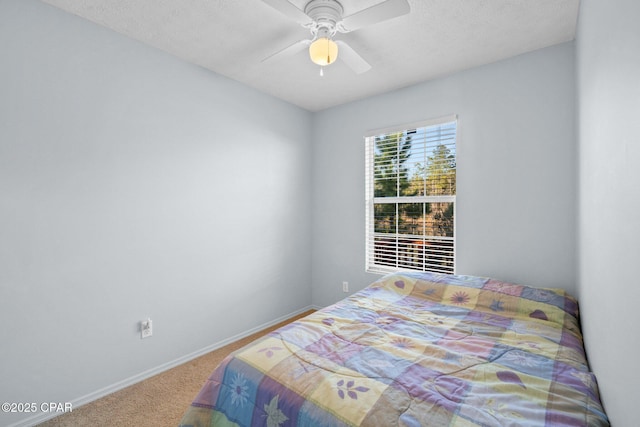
[414, 350]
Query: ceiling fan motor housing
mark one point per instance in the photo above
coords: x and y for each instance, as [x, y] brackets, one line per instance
[325, 14]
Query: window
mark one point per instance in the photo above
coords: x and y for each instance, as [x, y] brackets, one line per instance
[411, 196]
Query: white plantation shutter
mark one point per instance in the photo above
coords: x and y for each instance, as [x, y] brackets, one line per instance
[410, 196]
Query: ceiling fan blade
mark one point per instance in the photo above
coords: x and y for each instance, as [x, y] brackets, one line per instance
[372, 15]
[351, 58]
[287, 8]
[288, 51]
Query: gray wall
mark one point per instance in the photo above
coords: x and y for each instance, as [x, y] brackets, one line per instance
[133, 184]
[608, 65]
[516, 203]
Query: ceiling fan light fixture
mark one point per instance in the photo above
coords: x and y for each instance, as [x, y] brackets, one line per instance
[323, 51]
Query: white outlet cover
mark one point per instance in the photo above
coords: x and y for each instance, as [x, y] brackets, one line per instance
[146, 328]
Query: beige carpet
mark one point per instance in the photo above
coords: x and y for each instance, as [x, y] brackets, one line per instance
[158, 401]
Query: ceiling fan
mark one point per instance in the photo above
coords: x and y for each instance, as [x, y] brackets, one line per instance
[324, 19]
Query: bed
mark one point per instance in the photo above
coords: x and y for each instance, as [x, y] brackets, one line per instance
[415, 349]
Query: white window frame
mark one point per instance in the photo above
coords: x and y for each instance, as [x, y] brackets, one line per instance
[371, 201]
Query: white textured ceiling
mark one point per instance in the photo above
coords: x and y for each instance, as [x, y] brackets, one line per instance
[438, 37]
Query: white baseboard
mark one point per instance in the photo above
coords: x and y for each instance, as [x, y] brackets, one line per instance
[76, 403]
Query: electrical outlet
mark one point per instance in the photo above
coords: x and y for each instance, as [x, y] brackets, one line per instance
[345, 286]
[146, 328]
